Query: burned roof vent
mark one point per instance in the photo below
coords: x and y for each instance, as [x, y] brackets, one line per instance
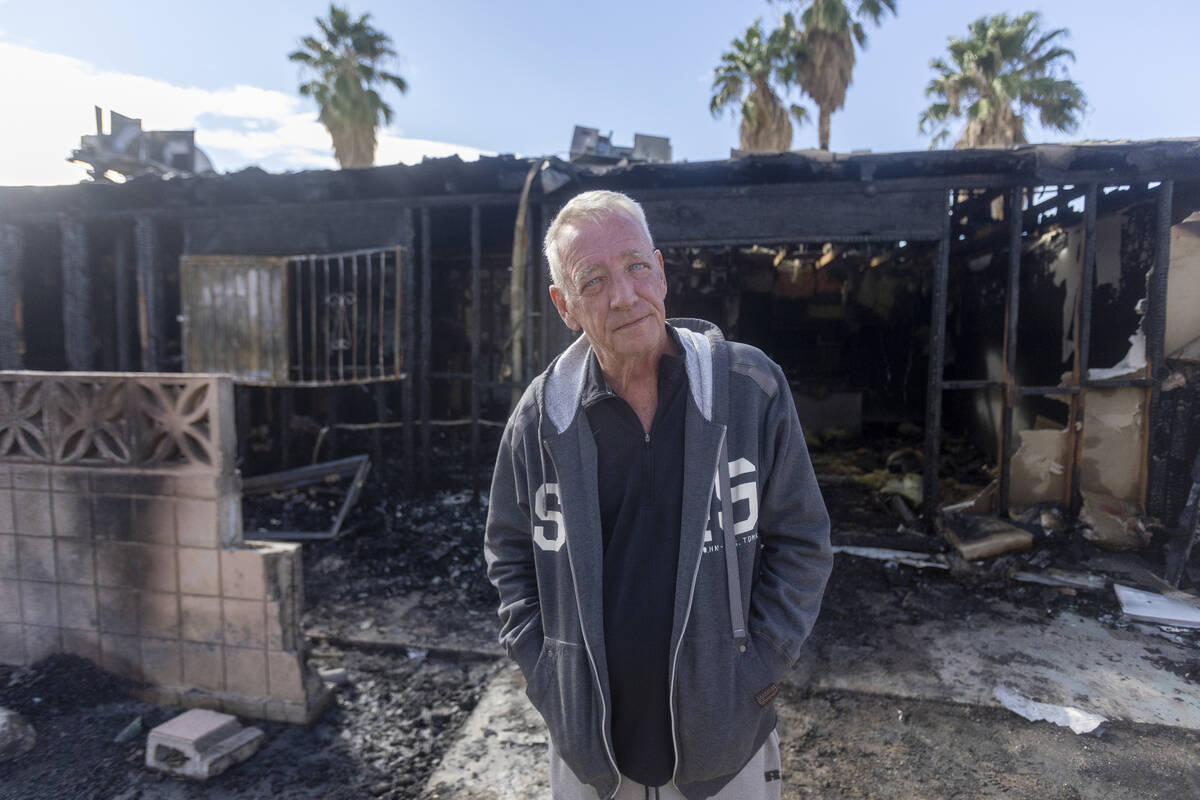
[130, 152]
[589, 147]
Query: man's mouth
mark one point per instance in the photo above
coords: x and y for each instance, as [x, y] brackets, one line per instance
[631, 324]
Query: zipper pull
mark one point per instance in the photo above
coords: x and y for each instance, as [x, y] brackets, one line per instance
[647, 438]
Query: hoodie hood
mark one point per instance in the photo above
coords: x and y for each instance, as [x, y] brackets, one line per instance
[568, 374]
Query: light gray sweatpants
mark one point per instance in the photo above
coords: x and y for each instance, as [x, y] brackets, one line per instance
[758, 780]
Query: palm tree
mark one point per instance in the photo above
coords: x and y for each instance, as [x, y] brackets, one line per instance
[745, 77]
[1002, 70]
[348, 68]
[824, 55]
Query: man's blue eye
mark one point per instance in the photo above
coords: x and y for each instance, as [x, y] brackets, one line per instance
[590, 283]
[638, 265]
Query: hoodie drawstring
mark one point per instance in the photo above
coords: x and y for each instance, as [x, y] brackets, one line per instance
[732, 573]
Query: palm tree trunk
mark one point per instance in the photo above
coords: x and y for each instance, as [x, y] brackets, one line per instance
[823, 128]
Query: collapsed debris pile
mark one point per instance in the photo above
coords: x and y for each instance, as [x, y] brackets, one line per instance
[59, 684]
[1100, 563]
[393, 719]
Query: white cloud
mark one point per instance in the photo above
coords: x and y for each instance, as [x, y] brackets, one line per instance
[50, 107]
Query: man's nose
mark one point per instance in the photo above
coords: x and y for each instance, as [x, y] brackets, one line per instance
[623, 291]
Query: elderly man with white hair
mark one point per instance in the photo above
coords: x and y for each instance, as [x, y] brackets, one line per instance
[655, 532]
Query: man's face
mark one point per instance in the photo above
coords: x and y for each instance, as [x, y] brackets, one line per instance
[614, 288]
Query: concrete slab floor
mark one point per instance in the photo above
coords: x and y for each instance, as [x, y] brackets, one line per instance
[1068, 660]
[502, 750]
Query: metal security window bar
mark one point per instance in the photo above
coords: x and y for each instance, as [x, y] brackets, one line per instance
[346, 312]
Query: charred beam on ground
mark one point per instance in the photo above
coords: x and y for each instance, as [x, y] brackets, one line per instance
[354, 467]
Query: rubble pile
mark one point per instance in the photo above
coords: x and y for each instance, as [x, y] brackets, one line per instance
[59, 684]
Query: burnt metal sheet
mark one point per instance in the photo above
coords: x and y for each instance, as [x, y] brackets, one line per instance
[792, 214]
[234, 319]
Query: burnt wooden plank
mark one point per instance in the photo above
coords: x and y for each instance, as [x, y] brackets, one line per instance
[794, 216]
[12, 248]
[1083, 339]
[1154, 474]
[425, 357]
[405, 298]
[123, 267]
[76, 293]
[476, 340]
[937, 353]
[149, 291]
[1012, 297]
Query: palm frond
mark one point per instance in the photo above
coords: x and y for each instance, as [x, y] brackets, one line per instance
[348, 62]
[1004, 68]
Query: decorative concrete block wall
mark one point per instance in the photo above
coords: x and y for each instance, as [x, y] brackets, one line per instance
[121, 541]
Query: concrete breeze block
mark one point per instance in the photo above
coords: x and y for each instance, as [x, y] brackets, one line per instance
[200, 744]
[196, 522]
[77, 608]
[242, 574]
[199, 571]
[35, 558]
[31, 513]
[82, 643]
[41, 642]
[10, 601]
[246, 671]
[153, 520]
[6, 511]
[118, 610]
[8, 556]
[72, 514]
[12, 642]
[39, 603]
[29, 477]
[158, 614]
[203, 665]
[200, 619]
[244, 623]
[75, 561]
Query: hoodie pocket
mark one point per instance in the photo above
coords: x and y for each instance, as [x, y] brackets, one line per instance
[562, 689]
[724, 705]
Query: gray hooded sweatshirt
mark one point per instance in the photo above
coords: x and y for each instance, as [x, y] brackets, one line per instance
[741, 612]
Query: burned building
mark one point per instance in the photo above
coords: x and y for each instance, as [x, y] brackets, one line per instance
[1019, 297]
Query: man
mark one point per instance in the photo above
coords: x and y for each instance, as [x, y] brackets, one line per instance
[655, 532]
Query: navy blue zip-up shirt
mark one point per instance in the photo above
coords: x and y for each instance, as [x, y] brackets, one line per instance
[640, 486]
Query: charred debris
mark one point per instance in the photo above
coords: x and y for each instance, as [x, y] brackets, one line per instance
[993, 351]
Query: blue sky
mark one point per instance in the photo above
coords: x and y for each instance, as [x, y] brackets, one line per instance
[516, 77]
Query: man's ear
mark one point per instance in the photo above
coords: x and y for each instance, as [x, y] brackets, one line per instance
[560, 303]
